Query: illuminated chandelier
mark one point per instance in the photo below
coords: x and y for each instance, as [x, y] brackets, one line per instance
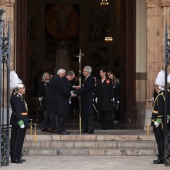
[104, 2]
[108, 38]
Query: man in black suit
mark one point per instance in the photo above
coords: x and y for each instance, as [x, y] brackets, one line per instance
[51, 102]
[64, 95]
[86, 93]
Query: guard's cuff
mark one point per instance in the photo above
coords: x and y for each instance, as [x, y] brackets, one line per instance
[159, 120]
[168, 117]
[21, 122]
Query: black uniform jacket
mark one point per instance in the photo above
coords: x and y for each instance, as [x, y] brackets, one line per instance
[52, 90]
[104, 93]
[86, 92]
[158, 110]
[63, 96]
[19, 110]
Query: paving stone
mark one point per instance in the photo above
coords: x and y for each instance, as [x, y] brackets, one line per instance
[121, 152]
[137, 144]
[97, 152]
[42, 152]
[73, 152]
[97, 144]
[147, 152]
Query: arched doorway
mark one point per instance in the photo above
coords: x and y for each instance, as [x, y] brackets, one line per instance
[123, 57]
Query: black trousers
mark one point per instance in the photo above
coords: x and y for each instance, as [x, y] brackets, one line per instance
[16, 143]
[87, 121]
[159, 137]
[106, 119]
[50, 114]
[60, 122]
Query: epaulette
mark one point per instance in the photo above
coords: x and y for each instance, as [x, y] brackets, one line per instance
[16, 94]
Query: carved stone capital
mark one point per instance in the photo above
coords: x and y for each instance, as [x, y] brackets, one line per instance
[10, 2]
[149, 3]
[165, 3]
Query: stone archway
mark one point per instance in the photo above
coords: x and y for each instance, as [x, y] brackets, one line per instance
[127, 52]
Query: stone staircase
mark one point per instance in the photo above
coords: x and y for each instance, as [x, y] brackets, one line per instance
[101, 143]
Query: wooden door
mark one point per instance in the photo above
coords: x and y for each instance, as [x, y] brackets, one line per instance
[128, 59]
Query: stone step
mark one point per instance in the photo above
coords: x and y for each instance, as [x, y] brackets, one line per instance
[108, 143]
[90, 144]
[90, 152]
[102, 137]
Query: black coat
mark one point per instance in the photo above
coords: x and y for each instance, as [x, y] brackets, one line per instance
[43, 88]
[104, 93]
[86, 92]
[116, 89]
[18, 107]
[63, 96]
[52, 90]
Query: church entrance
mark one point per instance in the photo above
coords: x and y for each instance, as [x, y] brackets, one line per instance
[51, 33]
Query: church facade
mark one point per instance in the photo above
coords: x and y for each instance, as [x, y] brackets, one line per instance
[136, 53]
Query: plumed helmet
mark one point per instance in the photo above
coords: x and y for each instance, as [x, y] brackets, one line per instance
[168, 79]
[15, 82]
[160, 80]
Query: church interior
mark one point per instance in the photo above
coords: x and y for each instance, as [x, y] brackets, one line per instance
[58, 30]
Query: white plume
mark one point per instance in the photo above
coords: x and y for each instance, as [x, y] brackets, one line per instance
[168, 79]
[14, 80]
[160, 79]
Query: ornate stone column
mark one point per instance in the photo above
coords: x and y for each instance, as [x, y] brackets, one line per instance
[155, 50]
[10, 17]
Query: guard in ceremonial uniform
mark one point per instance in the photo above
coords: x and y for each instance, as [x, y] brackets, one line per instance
[158, 115]
[19, 122]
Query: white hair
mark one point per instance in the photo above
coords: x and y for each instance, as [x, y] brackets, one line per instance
[88, 69]
[43, 76]
[61, 71]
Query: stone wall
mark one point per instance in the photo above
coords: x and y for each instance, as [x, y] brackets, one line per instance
[157, 15]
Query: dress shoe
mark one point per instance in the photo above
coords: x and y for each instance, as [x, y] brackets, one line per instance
[90, 131]
[84, 131]
[22, 160]
[44, 130]
[17, 161]
[53, 131]
[159, 161]
[64, 133]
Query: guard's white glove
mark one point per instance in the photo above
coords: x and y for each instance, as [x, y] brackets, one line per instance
[96, 99]
[156, 124]
[22, 126]
[40, 99]
[118, 102]
[113, 99]
[168, 118]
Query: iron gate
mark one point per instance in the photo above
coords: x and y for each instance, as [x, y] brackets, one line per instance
[4, 89]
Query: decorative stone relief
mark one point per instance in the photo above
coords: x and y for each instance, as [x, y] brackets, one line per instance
[10, 2]
[149, 3]
[165, 3]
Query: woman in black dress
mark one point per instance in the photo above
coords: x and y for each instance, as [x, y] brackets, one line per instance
[116, 89]
[105, 98]
[43, 88]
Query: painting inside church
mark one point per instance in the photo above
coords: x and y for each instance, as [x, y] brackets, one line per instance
[61, 33]
[98, 23]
